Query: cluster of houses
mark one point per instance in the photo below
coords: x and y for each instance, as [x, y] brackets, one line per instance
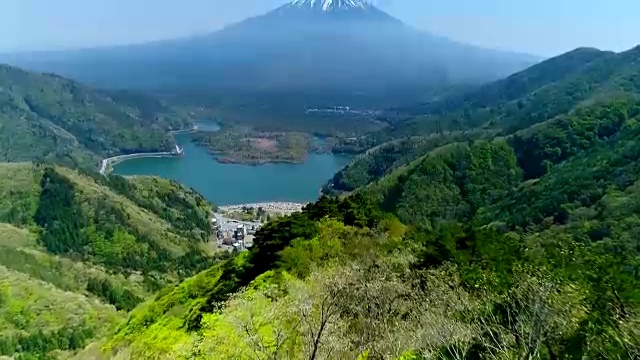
[236, 235]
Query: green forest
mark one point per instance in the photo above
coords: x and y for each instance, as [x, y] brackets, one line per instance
[499, 222]
[78, 251]
[560, 86]
[521, 247]
[344, 280]
[511, 235]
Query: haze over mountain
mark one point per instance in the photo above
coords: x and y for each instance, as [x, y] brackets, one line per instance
[346, 44]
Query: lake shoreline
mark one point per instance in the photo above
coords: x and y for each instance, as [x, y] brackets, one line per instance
[269, 184]
[281, 206]
[107, 164]
[221, 159]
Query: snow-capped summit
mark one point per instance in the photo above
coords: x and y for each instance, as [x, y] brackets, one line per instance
[332, 5]
[333, 10]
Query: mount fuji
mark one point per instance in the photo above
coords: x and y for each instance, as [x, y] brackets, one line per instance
[332, 5]
[346, 45]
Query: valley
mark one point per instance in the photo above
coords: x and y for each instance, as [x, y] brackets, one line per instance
[319, 181]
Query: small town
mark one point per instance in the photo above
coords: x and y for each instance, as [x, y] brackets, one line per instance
[235, 226]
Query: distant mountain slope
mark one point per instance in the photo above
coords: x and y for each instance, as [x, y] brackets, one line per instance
[556, 87]
[338, 45]
[534, 95]
[49, 118]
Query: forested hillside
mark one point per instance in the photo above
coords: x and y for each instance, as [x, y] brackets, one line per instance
[516, 240]
[498, 259]
[51, 119]
[466, 177]
[556, 87]
[75, 250]
[505, 227]
[489, 265]
[382, 159]
[546, 90]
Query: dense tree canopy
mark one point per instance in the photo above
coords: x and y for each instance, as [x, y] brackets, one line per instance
[517, 241]
[76, 247]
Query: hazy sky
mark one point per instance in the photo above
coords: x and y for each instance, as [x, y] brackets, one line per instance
[543, 27]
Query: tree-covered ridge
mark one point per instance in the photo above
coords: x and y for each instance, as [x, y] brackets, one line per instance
[381, 160]
[441, 179]
[596, 155]
[561, 87]
[525, 82]
[151, 227]
[80, 217]
[185, 209]
[542, 92]
[51, 119]
[76, 248]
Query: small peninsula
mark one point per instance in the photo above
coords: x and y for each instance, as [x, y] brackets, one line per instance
[237, 145]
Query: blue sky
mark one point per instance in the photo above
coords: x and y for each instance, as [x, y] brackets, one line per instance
[543, 27]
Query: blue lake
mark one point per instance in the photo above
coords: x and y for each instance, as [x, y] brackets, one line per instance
[227, 184]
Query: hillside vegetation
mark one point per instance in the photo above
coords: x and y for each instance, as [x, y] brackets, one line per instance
[514, 236]
[517, 241]
[491, 266]
[555, 87]
[77, 252]
[382, 159]
[37, 317]
[241, 145]
[47, 118]
[546, 90]
[475, 275]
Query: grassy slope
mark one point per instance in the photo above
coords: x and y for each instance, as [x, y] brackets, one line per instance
[57, 290]
[41, 294]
